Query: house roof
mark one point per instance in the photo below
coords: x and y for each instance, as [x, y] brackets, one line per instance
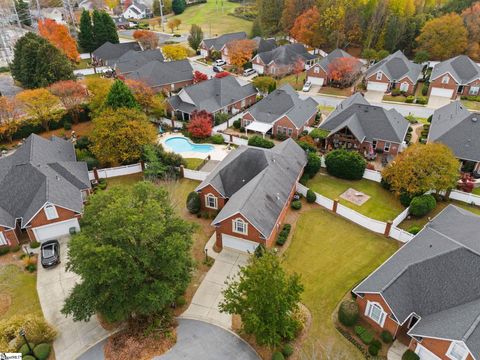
[463, 69]
[132, 60]
[40, 171]
[211, 95]
[120, 20]
[458, 128]
[109, 52]
[335, 54]
[367, 122]
[284, 101]
[141, 6]
[396, 66]
[257, 182]
[264, 45]
[219, 42]
[157, 73]
[286, 54]
[435, 276]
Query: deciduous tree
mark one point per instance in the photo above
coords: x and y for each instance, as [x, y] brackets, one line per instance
[120, 96]
[471, 18]
[240, 51]
[269, 16]
[59, 36]
[147, 39]
[195, 37]
[298, 68]
[119, 136]
[40, 104]
[86, 39]
[200, 124]
[174, 52]
[133, 255]
[343, 71]
[9, 117]
[72, 95]
[292, 10]
[306, 28]
[263, 83]
[146, 97]
[222, 74]
[199, 77]
[98, 89]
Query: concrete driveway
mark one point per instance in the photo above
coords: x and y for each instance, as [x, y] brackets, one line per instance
[436, 102]
[374, 96]
[205, 302]
[53, 286]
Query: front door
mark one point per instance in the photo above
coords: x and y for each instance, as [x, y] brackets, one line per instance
[460, 89]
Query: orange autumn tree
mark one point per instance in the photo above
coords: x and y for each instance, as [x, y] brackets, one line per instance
[9, 117]
[343, 71]
[147, 39]
[146, 96]
[306, 28]
[240, 52]
[72, 95]
[59, 37]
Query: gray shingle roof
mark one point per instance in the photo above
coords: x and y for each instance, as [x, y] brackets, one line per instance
[218, 42]
[133, 60]
[40, 171]
[257, 182]
[435, 276]
[335, 54]
[109, 52]
[366, 121]
[284, 101]
[463, 69]
[396, 66]
[458, 128]
[286, 54]
[211, 95]
[264, 45]
[157, 73]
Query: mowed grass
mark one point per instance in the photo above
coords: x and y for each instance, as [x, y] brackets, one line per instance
[476, 191]
[472, 105]
[382, 205]
[292, 80]
[213, 19]
[332, 255]
[193, 163]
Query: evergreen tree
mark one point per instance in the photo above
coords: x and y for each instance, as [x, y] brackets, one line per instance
[156, 8]
[121, 96]
[23, 12]
[195, 37]
[110, 27]
[178, 6]
[99, 29]
[86, 40]
[256, 29]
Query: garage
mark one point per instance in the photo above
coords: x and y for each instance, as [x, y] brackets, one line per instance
[239, 244]
[448, 93]
[258, 68]
[55, 230]
[316, 80]
[377, 86]
[204, 53]
[425, 354]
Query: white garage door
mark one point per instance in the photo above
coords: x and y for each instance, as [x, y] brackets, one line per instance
[258, 68]
[425, 354]
[377, 86]
[203, 53]
[53, 231]
[448, 93]
[233, 242]
[316, 80]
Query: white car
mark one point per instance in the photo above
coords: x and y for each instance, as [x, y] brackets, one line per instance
[220, 62]
[307, 86]
[248, 72]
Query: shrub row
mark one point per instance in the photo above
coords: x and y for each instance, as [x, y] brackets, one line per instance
[283, 235]
[258, 141]
[422, 205]
[345, 164]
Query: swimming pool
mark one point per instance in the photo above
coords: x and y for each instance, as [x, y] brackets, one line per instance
[181, 145]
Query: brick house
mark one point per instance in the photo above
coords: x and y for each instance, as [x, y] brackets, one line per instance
[457, 76]
[318, 74]
[427, 295]
[355, 124]
[109, 53]
[394, 72]
[170, 76]
[282, 112]
[250, 191]
[281, 60]
[219, 44]
[215, 95]
[458, 128]
[42, 190]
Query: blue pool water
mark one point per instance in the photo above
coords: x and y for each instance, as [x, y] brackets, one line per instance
[180, 145]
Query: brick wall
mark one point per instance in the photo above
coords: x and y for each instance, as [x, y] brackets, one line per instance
[437, 83]
[177, 86]
[411, 85]
[389, 325]
[436, 346]
[10, 236]
[285, 122]
[210, 190]
[41, 219]
[373, 78]
[226, 227]
[321, 74]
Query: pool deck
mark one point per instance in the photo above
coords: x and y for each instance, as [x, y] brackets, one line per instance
[218, 153]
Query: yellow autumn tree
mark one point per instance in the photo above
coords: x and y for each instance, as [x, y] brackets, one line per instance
[41, 105]
[98, 89]
[174, 52]
[9, 117]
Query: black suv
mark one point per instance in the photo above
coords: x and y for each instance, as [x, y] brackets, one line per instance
[50, 253]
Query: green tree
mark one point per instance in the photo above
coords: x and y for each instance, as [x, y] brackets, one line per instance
[23, 12]
[266, 298]
[120, 96]
[345, 164]
[256, 29]
[111, 28]
[270, 15]
[156, 8]
[264, 83]
[421, 57]
[37, 63]
[100, 33]
[86, 39]
[178, 6]
[195, 37]
[133, 255]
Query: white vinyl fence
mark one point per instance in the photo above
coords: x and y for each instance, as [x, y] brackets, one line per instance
[116, 171]
[403, 215]
[362, 220]
[194, 174]
[400, 234]
[235, 139]
[465, 197]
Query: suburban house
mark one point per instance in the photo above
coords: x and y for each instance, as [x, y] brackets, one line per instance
[207, 46]
[427, 295]
[137, 11]
[394, 72]
[58, 14]
[459, 129]
[251, 190]
[282, 60]
[133, 60]
[121, 22]
[355, 124]
[457, 76]
[215, 95]
[264, 45]
[42, 190]
[281, 113]
[108, 53]
[318, 74]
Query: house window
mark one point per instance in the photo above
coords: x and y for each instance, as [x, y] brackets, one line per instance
[290, 131]
[445, 79]
[457, 351]
[316, 70]
[3, 239]
[374, 144]
[51, 212]
[379, 75]
[474, 90]
[211, 201]
[404, 86]
[240, 226]
[386, 147]
[375, 312]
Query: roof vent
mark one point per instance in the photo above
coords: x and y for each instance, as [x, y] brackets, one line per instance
[474, 119]
[278, 196]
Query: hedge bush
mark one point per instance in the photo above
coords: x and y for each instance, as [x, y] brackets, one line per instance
[28, 357]
[344, 164]
[366, 337]
[311, 196]
[237, 124]
[34, 244]
[405, 199]
[287, 350]
[348, 312]
[410, 99]
[422, 205]
[296, 205]
[24, 349]
[415, 229]
[359, 330]
[278, 356]
[422, 100]
[425, 89]
[410, 355]
[373, 350]
[386, 337]
[41, 351]
[15, 248]
[258, 141]
[314, 163]
[4, 250]
[193, 202]
[283, 235]
[217, 139]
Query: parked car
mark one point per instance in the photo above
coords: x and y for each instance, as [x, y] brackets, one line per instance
[248, 72]
[307, 86]
[217, 69]
[50, 253]
[220, 62]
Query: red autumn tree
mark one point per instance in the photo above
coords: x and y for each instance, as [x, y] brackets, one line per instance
[147, 39]
[59, 37]
[198, 77]
[72, 95]
[200, 125]
[306, 28]
[298, 68]
[343, 71]
[222, 74]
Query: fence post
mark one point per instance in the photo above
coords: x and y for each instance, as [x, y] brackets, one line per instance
[231, 138]
[142, 165]
[388, 227]
[182, 171]
[335, 204]
[95, 174]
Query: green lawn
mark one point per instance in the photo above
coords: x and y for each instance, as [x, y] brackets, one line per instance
[332, 255]
[476, 191]
[399, 98]
[212, 19]
[382, 205]
[83, 64]
[125, 180]
[292, 80]
[336, 91]
[193, 163]
[472, 105]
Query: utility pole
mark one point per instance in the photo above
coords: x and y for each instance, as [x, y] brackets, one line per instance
[161, 16]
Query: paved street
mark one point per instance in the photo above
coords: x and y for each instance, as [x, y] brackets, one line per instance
[7, 87]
